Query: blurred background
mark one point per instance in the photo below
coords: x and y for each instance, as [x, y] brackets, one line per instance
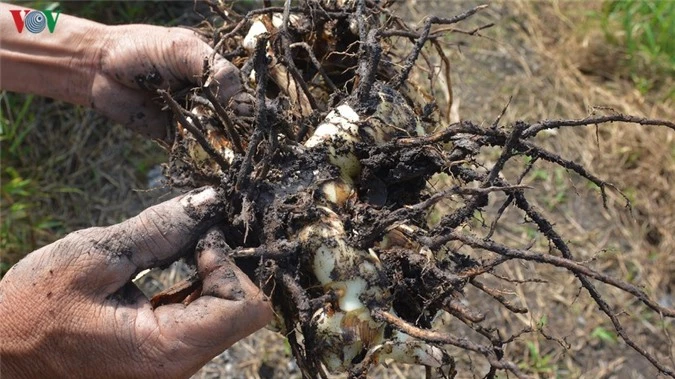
[65, 168]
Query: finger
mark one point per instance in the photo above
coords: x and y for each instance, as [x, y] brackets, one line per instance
[207, 326]
[231, 306]
[134, 109]
[156, 237]
[166, 58]
[178, 62]
[243, 104]
[220, 275]
[184, 63]
[225, 79]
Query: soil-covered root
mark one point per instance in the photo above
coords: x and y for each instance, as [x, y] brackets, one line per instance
[327, 188]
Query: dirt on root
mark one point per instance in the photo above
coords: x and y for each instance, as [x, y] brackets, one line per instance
[544, 352]
[526, 55]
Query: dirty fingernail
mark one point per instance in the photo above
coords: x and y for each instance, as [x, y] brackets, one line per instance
[199, 198]
[203, 204]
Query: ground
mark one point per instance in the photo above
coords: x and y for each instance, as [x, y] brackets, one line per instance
[553, 64]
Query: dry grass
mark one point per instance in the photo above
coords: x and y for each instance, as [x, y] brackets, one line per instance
[84, 172]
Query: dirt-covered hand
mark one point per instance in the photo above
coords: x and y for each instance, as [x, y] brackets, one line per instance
[71, 310]
[134, 60]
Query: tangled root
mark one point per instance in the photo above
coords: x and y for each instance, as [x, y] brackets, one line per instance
[327, 187]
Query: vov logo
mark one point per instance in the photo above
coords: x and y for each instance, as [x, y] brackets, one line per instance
[34, 21]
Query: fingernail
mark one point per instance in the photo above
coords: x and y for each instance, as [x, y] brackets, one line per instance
[203, 205]
[200, 197]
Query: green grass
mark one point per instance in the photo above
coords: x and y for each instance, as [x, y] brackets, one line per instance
[23, 226]
[646, 31]
[604, 335]
[538, 363]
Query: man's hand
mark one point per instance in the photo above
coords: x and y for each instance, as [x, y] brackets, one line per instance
[136, 59]
[70, 309]
[114, 69]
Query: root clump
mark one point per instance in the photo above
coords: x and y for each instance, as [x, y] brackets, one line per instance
[326, 180]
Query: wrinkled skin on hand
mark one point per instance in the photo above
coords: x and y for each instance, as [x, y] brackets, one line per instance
[70, 309]
[137, 59]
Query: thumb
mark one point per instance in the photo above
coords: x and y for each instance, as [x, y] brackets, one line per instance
[157, 236]
[225, 80]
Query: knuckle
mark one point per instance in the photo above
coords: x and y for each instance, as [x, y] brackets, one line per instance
[154, 231]
[152, 222]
